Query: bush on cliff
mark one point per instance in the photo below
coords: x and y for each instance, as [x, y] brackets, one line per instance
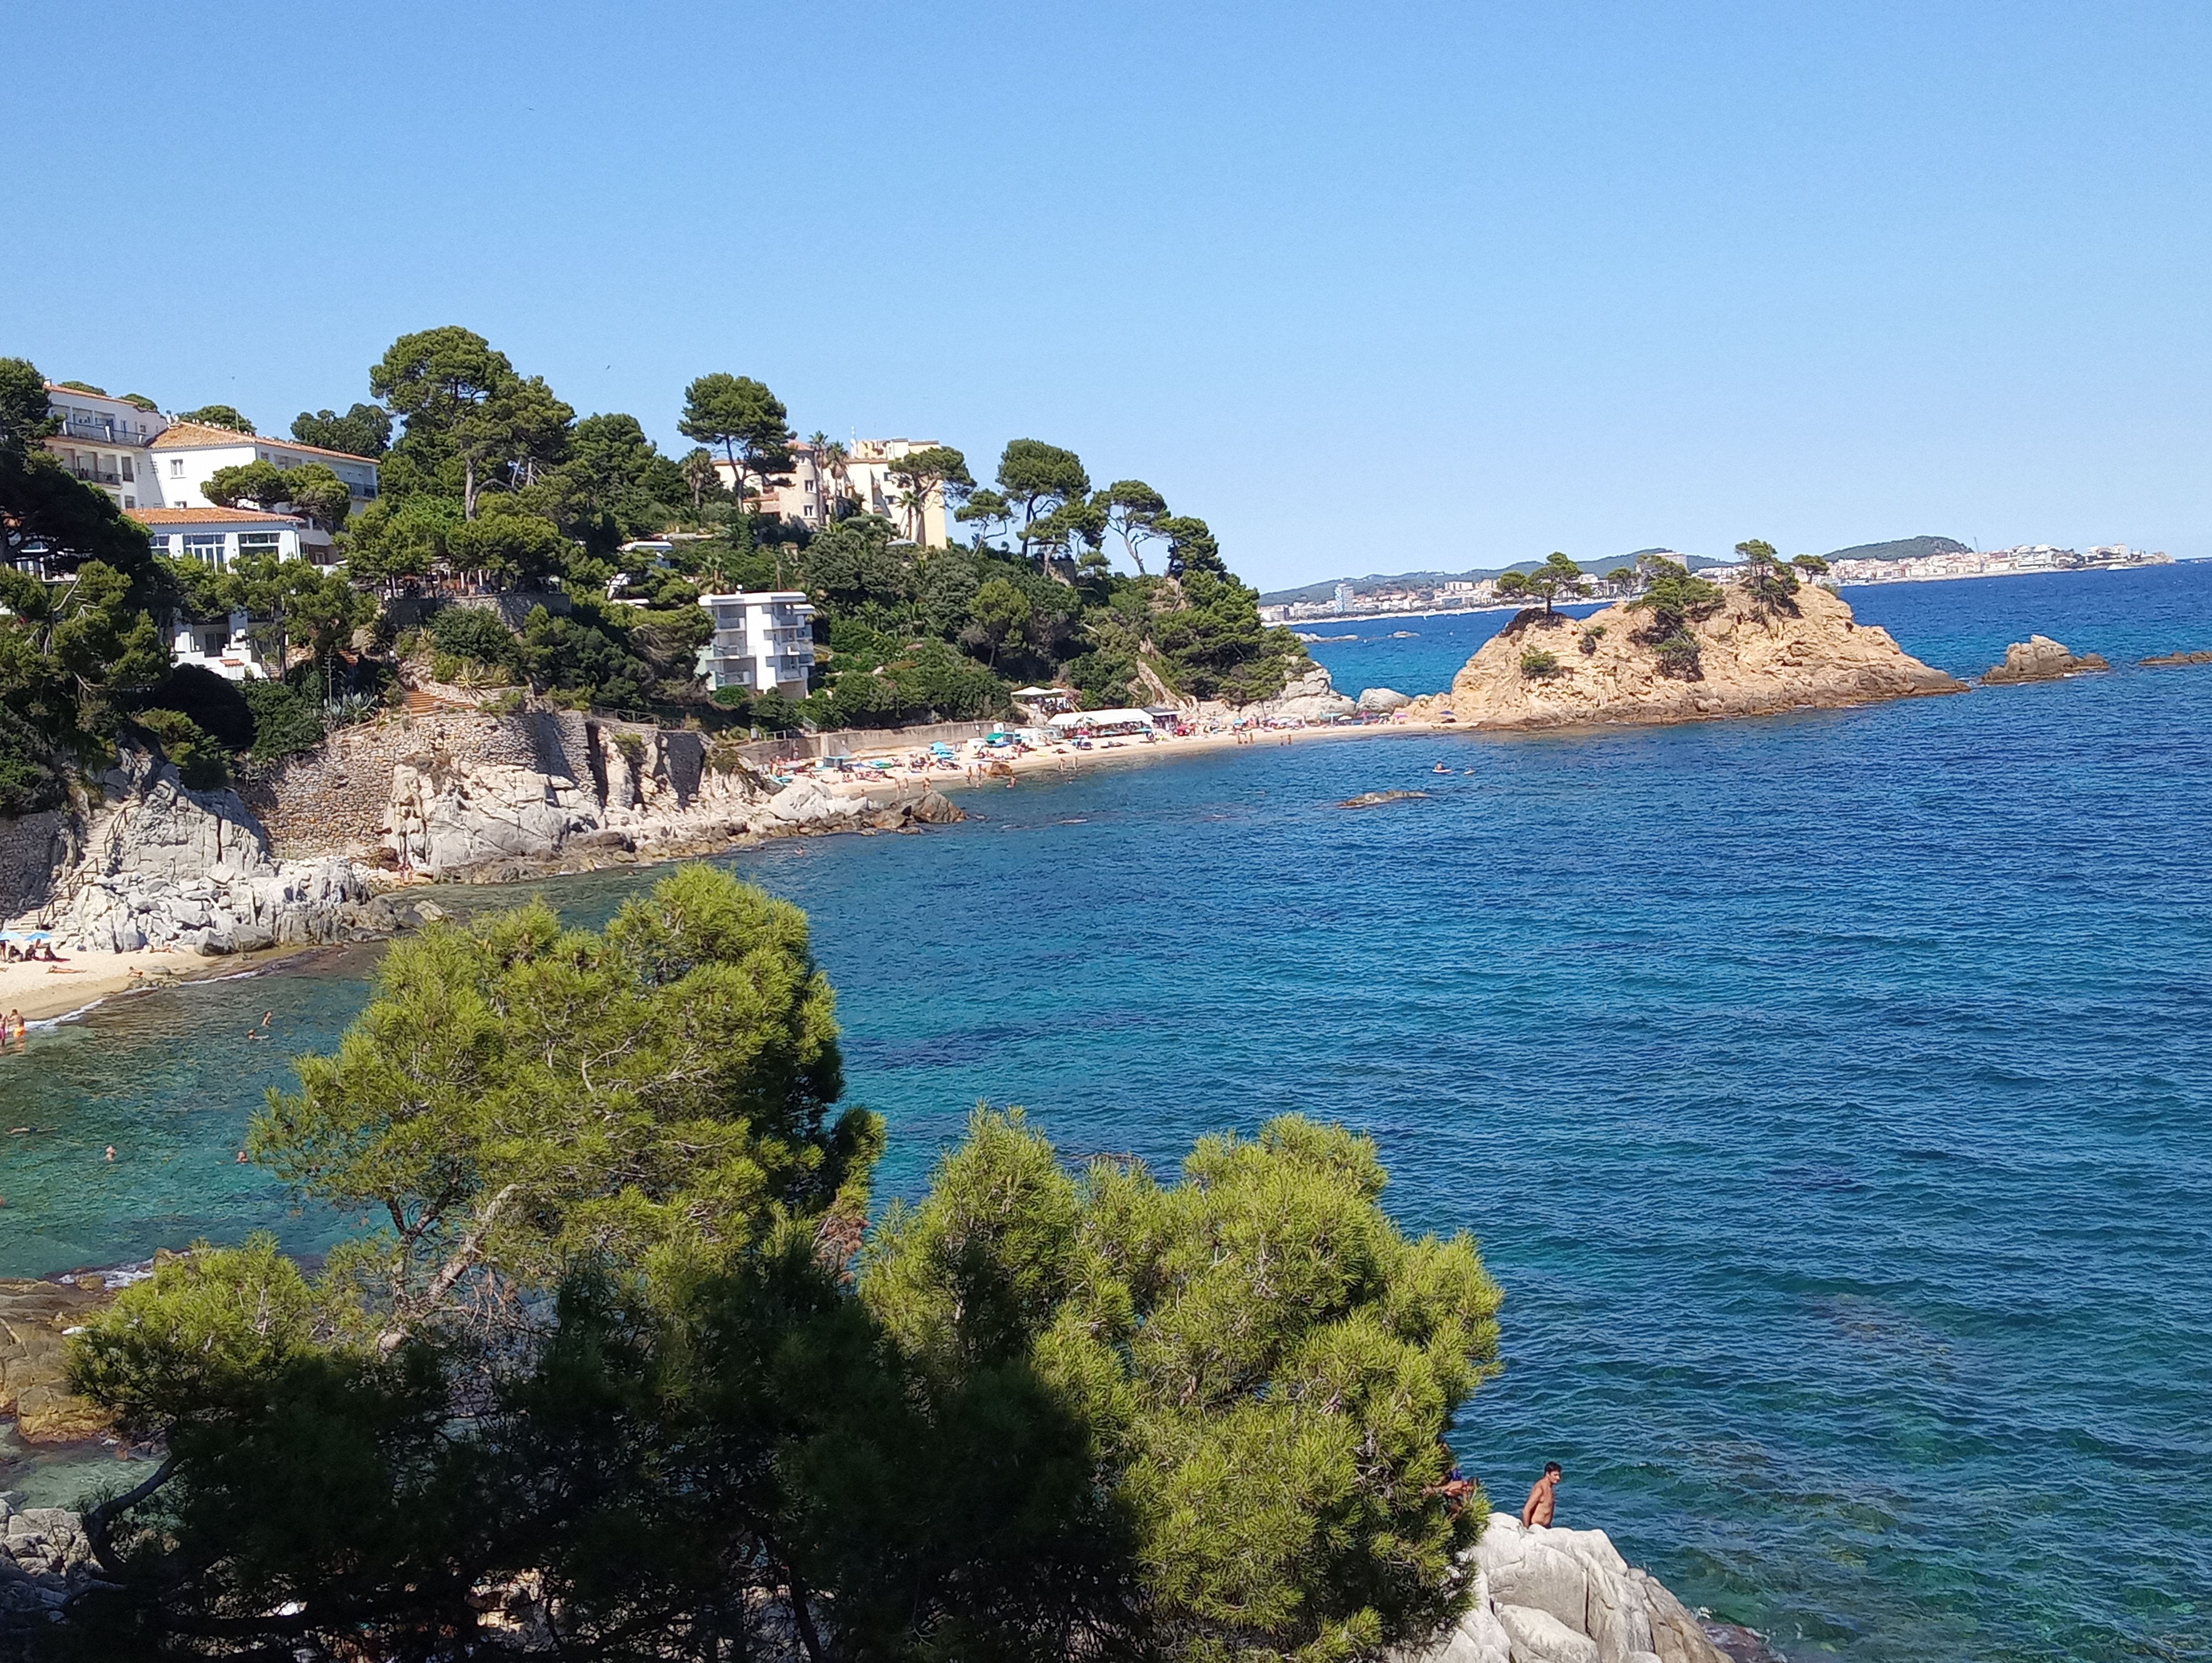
[202, 763]
[479, 635]
[285, 719]
[221, 708]
[1676, 600]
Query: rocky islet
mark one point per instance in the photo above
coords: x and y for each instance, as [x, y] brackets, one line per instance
[1548, 670]
[2039, 658]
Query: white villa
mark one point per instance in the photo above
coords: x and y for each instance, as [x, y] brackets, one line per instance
[145, 460]
[187, 455]
[761, 640]
[106, 442]
[217, 537]
[808, 494]
[223, 647]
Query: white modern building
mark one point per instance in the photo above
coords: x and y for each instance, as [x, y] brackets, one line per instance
[219, 537]
[187, 455]
[143, 459]
[106, 442]
[763, 641]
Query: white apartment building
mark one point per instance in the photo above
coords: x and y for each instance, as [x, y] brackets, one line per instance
[105, 441]
[810, 494]
[218, 537]
[187, 455]
[763, 640]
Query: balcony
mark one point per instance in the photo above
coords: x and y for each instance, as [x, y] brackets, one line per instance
[103, 430]
[95, 477]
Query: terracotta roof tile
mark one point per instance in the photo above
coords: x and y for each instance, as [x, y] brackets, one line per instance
[210, 517]
[195, 436]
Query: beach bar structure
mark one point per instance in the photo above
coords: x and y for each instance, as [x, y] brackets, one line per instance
[1099, 724]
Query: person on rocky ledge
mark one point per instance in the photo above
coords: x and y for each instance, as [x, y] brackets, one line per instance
[1537, 1509]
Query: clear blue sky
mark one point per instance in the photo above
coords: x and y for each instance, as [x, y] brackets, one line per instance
[1368, 287]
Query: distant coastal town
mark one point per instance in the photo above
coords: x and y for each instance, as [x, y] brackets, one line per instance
[1917, 559]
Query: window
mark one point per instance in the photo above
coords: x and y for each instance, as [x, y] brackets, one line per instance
[259, 542]
[205, 547]
[129, 500]
[176, 467]
[127, 474]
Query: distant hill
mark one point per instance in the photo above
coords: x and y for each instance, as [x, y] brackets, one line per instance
[1904, 548]
[1375, 581]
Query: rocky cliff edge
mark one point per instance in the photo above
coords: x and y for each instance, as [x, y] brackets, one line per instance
[161, 866]
[1566, 1596]
[1750, 661]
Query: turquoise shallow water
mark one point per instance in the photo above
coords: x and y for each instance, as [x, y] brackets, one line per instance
[1833, 1094]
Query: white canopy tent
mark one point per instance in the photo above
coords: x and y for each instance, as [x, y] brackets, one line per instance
[1100, 721]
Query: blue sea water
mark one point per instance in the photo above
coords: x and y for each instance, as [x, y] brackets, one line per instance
[1832, 1093]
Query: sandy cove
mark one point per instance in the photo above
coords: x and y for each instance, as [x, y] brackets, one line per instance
[44, 993]
[1065, 760]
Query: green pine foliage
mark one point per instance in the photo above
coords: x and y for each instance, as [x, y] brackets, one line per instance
[285, 719]
[1675, 600]
[203, 762]
[1265, 1365]
[598, 1342]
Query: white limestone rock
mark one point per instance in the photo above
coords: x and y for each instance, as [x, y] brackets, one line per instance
[1380, 700]
[1311, 697]
[446, 817]
[1566, 1596]
[163, 866]
[1540, 1637]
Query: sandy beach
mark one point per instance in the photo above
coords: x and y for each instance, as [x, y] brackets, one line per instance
[44, 993]
[1066, 759]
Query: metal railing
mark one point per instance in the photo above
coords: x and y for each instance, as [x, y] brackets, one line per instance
[103, 430]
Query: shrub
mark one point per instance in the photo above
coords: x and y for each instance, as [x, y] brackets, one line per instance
[1590, 638]
[218, 708]
[28, 779]
[284, 719]
[1680, 657]
[472, 633]
[1537, 665]
[202, 763]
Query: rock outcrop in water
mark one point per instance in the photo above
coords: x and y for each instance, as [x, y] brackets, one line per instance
[2039, 658]
[1566, 1596]
[35, 1318]
[1561, 671]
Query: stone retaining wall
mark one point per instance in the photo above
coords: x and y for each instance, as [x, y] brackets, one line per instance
[333, 799]
[34, 849]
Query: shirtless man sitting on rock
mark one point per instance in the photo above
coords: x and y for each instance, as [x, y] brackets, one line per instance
[1537, 1509]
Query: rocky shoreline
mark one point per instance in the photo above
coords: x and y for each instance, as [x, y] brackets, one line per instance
[1541, 1596]
[142, 861]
